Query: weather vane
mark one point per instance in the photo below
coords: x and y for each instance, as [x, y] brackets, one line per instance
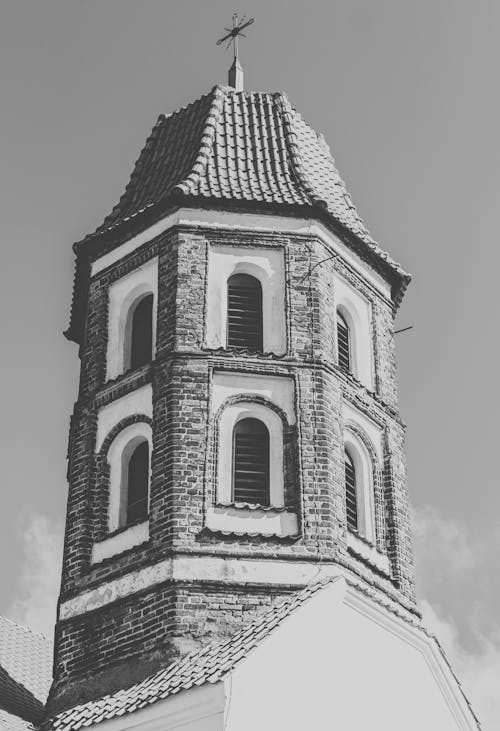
[234, 32]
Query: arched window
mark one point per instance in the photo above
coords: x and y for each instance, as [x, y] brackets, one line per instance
[244, 312]
[343, 343]
[137, 484]
[141, 333]
[251, 462]
[351, 497]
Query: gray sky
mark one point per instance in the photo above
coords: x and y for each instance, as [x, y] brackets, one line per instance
[407, 96]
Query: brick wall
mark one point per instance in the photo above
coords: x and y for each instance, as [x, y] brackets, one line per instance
[126, 640]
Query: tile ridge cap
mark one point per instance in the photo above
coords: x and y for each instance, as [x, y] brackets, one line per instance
[23, 627]
[292, 139]
[109, 221]
[187, 185]
[140, 163]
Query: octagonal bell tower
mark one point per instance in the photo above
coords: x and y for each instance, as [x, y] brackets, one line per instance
[236, 433]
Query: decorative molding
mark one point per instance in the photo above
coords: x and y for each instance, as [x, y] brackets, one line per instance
[123, 296]
[265, 522]
[209, 569]
[424, 642]
[138, 402]
[121, 541]
[368, 553]
[252, 222]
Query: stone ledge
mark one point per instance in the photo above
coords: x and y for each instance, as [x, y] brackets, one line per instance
[119, 542]
[241, 520]
[362, 549]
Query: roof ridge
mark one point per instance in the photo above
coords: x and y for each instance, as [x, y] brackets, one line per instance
[24, 628]
[186, 186]
[109, 221]
[291, 135]
[143, 160]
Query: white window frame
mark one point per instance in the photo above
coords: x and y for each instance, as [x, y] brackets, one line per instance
[118, 457]
[124, 296]
[231, 415]
[268, 267]
[342, 312]
[365, 499]
[357, 313]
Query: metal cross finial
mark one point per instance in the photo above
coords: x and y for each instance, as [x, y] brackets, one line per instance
[234, 32]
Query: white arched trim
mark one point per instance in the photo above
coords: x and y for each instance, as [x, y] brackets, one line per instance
[230, 417]
[273, 520]
[118, 458]
[124, 296]
[119, 455]
[356, 311]
[253, 270]
[364, 468]
[267, 266]
[345, 314]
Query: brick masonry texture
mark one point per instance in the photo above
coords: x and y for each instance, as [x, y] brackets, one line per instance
[124, 641]
[107, 649]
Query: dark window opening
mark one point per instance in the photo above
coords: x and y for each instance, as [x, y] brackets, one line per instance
[141, 336]
[138, 484]
[244, 312]
[251, 462]
[350, 493]
[343, 343]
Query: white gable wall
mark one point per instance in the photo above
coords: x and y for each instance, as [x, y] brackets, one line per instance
[341, 663]
[197, 709]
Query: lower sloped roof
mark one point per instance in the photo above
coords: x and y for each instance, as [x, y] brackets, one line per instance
[25, 674]
[9, 722]
[209, 664]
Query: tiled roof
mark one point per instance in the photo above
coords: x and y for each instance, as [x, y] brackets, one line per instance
[239, 146]
[208, 665]
[8, 722]
[212, 662]
[25, 671]
[248, 148]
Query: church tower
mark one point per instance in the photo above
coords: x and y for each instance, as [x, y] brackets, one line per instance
[236, 435]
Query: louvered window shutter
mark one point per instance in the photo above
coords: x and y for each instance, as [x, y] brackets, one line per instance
[350, 493]
[141, 337]
[138, 481]
[244, 312]
[251, 462]
[343, 343]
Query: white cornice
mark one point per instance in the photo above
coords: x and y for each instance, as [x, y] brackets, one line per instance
[208, 569]
[425, 643]
[241, 222]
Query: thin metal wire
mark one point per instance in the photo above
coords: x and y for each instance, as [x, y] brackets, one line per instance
[310, 271]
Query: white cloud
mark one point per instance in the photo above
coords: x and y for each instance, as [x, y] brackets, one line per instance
[477, 670]
[454, 570]
[37, 587]
[446, 539]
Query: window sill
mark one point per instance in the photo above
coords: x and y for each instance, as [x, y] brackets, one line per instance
[267, 521]
[362, 549]
[120, 542]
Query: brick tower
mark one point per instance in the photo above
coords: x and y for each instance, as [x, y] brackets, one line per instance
[236, 434]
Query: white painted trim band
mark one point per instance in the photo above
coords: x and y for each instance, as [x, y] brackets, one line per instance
[204, 568]
[237, 222]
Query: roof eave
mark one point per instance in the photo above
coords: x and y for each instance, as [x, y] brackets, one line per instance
[118, 232]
